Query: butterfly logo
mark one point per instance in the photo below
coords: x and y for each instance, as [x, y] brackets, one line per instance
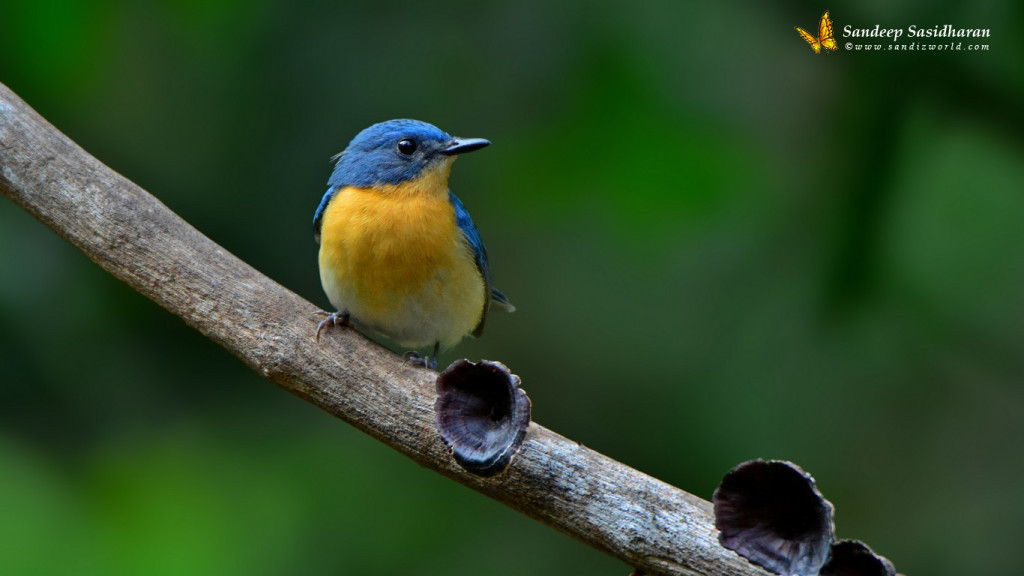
[824, 39]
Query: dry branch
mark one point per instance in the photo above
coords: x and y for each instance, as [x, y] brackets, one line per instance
[616, 509]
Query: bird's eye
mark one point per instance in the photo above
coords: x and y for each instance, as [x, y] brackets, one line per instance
[407, 146]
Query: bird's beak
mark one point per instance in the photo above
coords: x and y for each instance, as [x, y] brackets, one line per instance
[463, 145]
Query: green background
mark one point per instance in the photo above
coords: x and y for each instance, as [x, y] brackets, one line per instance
[721, 245]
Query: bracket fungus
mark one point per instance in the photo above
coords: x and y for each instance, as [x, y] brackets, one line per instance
[854, 558]
[482, 415]
[771, 513]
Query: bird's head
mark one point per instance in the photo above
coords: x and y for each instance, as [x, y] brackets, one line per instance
[397, 151]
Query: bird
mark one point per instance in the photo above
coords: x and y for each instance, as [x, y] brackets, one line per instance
[399, 253]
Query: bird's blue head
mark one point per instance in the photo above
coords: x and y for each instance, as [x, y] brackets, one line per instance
[396, 151]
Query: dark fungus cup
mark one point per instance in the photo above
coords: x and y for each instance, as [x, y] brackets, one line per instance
[482, 415]
[771, 513]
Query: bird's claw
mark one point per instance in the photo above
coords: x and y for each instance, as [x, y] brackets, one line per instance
[331, 320]
[416, 359]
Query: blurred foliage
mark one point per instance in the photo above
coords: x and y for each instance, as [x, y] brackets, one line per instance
[722, 247]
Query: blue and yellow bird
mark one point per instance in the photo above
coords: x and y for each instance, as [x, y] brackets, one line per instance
[399, 254]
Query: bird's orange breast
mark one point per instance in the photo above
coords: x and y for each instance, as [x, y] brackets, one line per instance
[395, 258]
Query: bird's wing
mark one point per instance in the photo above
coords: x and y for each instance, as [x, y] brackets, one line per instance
[319, 216]
[465, 223]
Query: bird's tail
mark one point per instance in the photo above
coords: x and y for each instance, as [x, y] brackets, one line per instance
[501, 300]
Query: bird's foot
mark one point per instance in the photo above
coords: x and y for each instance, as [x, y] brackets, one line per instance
[416, 359]
[331, 320]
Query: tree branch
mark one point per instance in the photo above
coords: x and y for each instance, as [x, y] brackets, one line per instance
[645, 522]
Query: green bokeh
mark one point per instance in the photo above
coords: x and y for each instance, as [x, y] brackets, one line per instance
[721, 247]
